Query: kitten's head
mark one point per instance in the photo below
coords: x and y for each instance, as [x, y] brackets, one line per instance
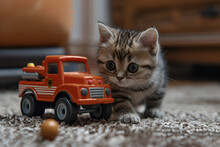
[127, 58]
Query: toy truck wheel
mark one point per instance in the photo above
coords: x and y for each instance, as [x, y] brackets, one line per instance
[30, 107]
[66, 111]
[27, 105]
[104, 111]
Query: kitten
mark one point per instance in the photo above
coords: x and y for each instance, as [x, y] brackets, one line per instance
[132, 64]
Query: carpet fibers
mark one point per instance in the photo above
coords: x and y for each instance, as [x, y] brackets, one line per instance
[192, 118]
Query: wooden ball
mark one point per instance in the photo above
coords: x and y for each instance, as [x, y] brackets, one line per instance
[49, 129]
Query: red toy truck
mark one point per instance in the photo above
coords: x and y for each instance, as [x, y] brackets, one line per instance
[65, 84]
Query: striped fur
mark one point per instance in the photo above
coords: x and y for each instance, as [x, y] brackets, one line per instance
[146, 85]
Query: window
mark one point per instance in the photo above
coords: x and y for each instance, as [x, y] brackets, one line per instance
[52, 68]
[73, 66]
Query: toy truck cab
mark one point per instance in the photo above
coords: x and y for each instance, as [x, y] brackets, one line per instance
[65, 84]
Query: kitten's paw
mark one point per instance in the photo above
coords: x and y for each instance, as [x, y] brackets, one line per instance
[155, 112]
[130, 118]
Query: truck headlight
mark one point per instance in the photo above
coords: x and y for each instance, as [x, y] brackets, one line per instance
[108, 91]
[84, 91]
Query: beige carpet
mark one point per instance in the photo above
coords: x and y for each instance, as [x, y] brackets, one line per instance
[192, 118]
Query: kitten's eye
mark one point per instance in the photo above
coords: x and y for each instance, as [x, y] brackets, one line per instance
[132, 68]
[110, 65]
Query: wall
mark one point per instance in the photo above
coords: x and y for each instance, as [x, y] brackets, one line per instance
[85, 35]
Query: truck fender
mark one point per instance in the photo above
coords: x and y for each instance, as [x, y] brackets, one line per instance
[30, 91]
[63, 93]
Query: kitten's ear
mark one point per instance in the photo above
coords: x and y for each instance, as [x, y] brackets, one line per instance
[149, 38]
[105, 32]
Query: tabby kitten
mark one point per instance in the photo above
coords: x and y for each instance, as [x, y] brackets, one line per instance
[132, 64]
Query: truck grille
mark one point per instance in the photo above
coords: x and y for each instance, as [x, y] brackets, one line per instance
[96, 92]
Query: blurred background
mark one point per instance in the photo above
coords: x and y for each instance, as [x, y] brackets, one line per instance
[30, 30]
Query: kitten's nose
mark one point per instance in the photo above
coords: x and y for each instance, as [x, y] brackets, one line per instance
[120, 78]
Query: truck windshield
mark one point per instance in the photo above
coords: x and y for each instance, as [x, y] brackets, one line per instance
[73, 66]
